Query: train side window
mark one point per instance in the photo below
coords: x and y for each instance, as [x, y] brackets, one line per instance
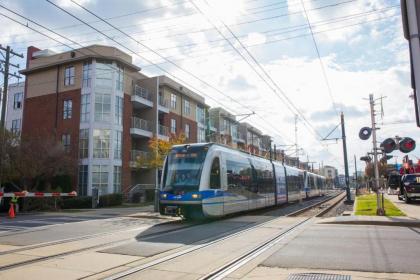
[215, 174]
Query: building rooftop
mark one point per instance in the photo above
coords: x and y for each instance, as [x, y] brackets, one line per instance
[46, 59]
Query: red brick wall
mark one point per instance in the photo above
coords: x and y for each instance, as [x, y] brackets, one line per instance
[44, 118]
[180, 125]
[126, 143]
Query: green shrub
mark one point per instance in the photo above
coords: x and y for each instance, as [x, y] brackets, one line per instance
[76, 202]
[39, 204]
[113, 199]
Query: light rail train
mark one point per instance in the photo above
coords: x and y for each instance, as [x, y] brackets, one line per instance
[211, 180]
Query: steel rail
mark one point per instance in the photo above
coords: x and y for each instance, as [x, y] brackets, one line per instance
[148, 265]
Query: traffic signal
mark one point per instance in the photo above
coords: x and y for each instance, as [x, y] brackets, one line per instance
[388, 145]
[407, 145]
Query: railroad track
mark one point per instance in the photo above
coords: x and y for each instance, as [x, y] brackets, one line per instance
[238, 262]
[218, 239]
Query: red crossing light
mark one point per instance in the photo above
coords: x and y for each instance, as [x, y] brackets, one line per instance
[407, 145]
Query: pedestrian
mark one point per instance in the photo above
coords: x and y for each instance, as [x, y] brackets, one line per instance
[14, 201]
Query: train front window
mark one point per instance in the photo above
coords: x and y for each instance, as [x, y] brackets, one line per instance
[183, 170]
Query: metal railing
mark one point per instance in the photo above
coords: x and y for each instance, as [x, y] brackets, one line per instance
[142, 92]
[139, 155]
[163, 102]
[141, 124]
[163, 130]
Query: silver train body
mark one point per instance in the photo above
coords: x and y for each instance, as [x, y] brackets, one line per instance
[211, 180]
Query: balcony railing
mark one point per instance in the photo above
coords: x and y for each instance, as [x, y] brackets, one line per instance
[163, 102]
[137, 155]
[140, 124]
[163, 130]
[142, 92]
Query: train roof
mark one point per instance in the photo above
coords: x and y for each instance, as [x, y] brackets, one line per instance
[210, 144]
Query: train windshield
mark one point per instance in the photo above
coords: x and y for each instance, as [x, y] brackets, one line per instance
[183, 170]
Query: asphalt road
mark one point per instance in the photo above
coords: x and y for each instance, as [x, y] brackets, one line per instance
[356, 248]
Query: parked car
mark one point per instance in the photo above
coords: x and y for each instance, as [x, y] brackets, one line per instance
[410, 187]
[394, 183]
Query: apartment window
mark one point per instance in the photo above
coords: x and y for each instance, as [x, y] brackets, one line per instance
[103, 75]
[118, 110]
[101, 139]
[120, 78]
[200, 115]
[84, 143]
[83, 179]
[100, 178]
[87, 74]
[201, 136]
[187, 109]
[173, 101]
[187, 131]
[67, 108]
[102, 107]
[69, 76]
[117, 144]
[173, 126]
[65, 140]
[16, 126]
[17, 100]
[85, 108]
[117, 179]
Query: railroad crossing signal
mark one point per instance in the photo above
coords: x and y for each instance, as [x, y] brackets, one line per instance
[388, 145]
[407, 145]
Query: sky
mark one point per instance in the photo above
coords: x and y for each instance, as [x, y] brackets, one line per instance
[277, 58]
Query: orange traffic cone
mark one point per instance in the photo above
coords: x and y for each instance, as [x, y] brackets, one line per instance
[11, 211]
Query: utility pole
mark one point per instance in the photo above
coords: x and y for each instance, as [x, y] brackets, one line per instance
[379, 209]
[296, 141]
[355, 170]
[6, 73]
[346, 164]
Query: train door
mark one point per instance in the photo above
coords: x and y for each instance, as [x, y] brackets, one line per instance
[280, 179]
[213, 202]
[238, 174]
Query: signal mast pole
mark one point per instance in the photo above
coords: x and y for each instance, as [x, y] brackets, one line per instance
[379, 209]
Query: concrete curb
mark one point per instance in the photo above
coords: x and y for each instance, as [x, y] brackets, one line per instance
[376, 223]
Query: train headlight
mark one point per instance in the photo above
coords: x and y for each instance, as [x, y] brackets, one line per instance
[163, 195]
[196, 196]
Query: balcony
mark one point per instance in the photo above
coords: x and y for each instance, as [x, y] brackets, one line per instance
[163, 133]
[240, 138]
[224, 130]
[163, 105]
[141, 128]
[141, 98]
[139, 159]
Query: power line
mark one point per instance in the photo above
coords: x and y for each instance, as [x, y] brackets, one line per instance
[179, 67]
[165, 29]
[324, 73]
[35, 30]
[284, 97]
[287, 29]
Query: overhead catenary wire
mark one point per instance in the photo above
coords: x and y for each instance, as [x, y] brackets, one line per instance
[283, 96]
[165, 29]
[261, 68]
[179, 67]
[209, 96]
[324, 72]
[269, 33]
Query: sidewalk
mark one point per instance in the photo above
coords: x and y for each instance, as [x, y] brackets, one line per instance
[373, 220]
[412, 210]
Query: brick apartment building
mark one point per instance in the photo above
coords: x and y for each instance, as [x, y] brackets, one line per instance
[104, 111]
[14, 107]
